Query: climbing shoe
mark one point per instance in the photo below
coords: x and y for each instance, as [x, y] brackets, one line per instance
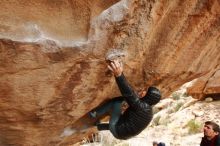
[103, 126]
[93, 114]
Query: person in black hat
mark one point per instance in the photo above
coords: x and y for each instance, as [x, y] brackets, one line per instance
[124, 125]
[161, 144]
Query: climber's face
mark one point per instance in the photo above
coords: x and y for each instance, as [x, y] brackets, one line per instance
[142, 93]
[209, 132]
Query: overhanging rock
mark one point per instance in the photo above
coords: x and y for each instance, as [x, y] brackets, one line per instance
[52, 58]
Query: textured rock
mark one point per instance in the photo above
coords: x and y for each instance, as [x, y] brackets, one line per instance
[213, 85]
[62, 20]
[52, 58]
[205, 86]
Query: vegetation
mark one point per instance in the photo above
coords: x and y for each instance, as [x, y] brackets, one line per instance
[178, 106]
[185, 94]
[176, 96]
[194, 126]
[156, 121]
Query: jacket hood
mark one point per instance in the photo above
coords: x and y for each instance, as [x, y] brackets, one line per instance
[153, 96]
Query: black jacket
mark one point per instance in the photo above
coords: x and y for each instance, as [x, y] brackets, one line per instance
[138, 115]
[206, 142]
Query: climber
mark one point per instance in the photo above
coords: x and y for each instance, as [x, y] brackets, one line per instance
[136, 117]
[211, 134]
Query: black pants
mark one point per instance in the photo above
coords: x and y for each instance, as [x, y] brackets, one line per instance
[113, 105]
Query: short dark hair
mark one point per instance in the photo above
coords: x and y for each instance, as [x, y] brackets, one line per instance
[214, 125]
[161, 144]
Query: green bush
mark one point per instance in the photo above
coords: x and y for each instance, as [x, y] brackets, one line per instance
[176, 96]
[155, 110]
[185, 94]
[156, 121]
[178, 106]
[170, 110]
[194, 126]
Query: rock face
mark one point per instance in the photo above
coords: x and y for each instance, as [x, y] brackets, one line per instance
[206, 86]
[52, 58]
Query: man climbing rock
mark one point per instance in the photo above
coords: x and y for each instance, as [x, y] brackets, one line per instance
[139, 112]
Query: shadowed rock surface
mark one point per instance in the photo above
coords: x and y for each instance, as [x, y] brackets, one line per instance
[206, 86]
[52, 58]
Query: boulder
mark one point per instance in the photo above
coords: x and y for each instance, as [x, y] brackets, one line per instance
[52, 58]
[206, 86]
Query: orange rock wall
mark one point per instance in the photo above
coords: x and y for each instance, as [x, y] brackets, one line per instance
[52, 58]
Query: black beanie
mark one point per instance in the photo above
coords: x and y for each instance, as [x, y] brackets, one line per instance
[153, 96]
